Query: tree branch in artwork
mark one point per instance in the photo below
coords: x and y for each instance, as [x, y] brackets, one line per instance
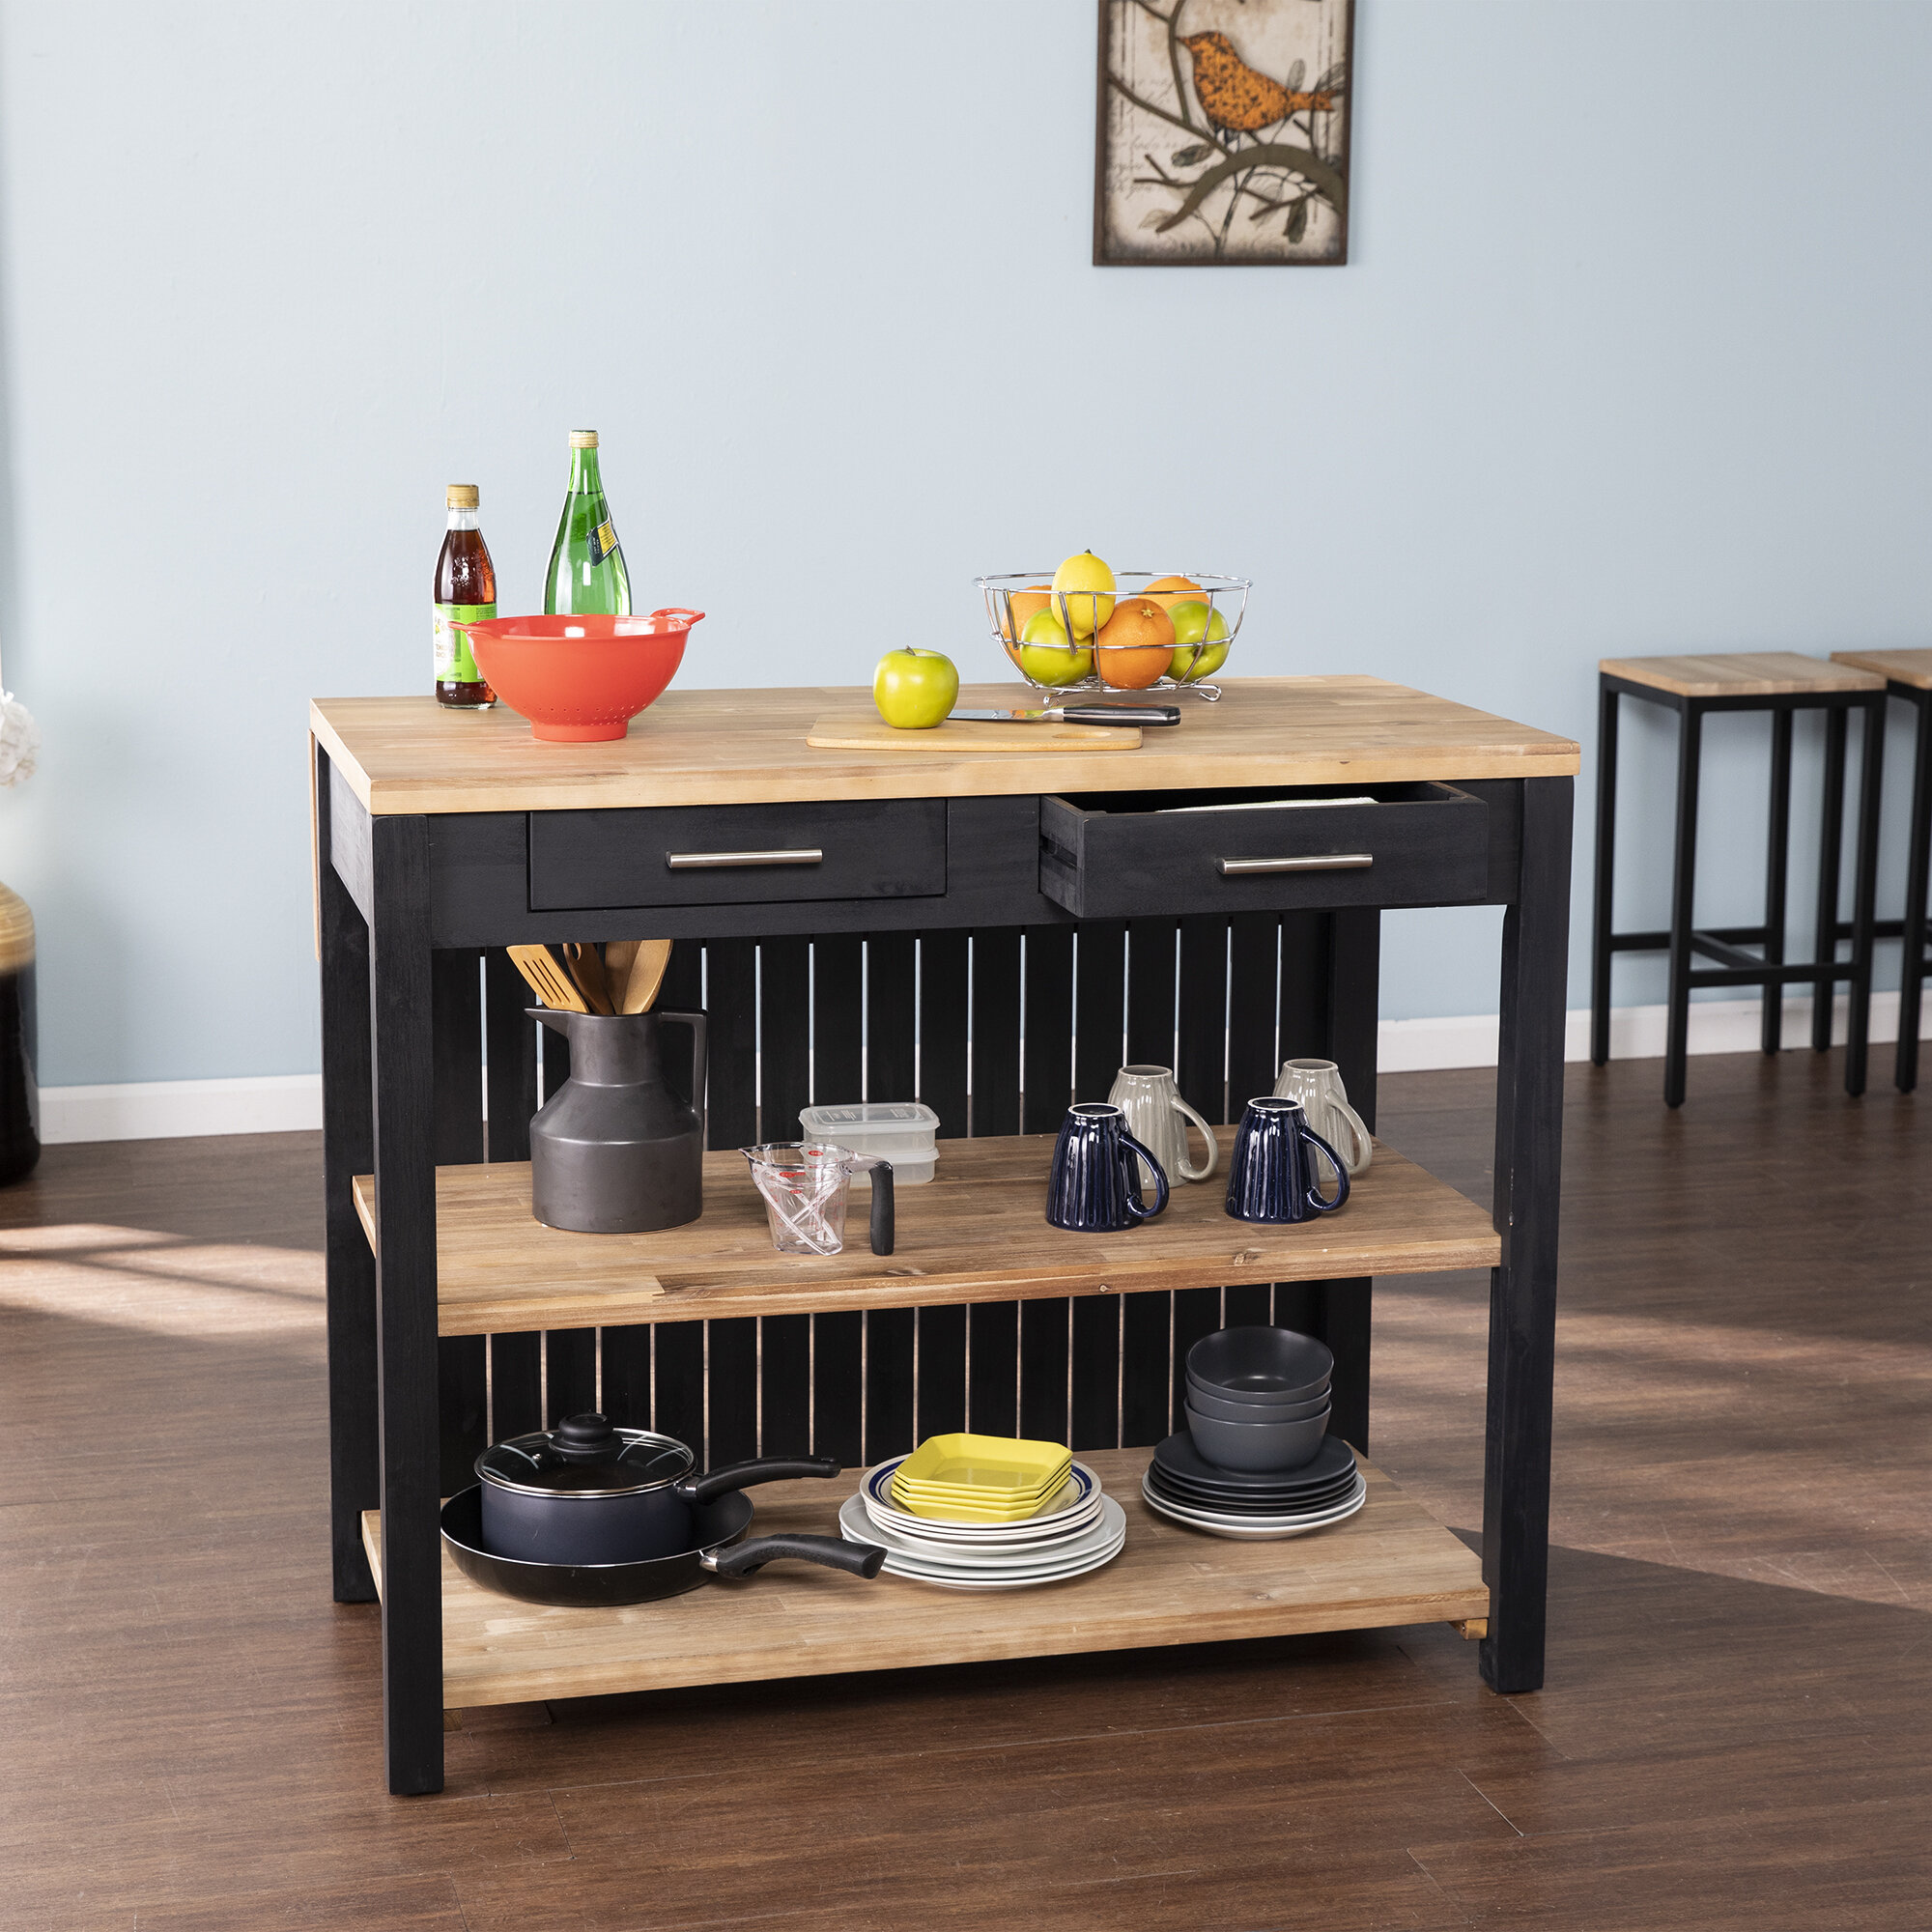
[1328, 183]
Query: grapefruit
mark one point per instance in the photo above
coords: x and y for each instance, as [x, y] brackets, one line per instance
[1135, 645]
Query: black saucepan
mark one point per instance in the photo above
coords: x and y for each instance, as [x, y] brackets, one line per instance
[587, 1492]
[719, 1547]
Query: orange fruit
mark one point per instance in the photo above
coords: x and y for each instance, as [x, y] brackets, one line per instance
[1022, 604]
[1135, 644]
[1167, 592]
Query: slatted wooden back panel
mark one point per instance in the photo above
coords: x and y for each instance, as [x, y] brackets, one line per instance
[996, 1031]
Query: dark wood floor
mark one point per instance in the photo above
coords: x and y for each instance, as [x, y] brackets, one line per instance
[1736, 1731]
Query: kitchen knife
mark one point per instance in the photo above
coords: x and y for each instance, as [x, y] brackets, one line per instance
[1073, 713]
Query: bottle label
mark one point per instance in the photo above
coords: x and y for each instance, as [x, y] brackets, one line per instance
[453, 663]
[603, 540]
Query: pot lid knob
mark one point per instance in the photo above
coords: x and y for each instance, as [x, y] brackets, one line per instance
[587, 1438]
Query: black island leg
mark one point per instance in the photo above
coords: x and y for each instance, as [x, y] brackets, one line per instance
[1522, 1292]
[1912, 956]
[351, 1267]
[404, 1150]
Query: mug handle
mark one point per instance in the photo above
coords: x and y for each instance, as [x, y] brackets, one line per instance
[1134, 1204]
[1188, 1173]
[1341, 1167]
[1364, 1148]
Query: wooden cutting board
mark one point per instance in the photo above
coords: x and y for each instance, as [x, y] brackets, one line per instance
[862, 731]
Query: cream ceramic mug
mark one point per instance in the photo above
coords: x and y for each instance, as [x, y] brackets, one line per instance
[1158, 1117]
[1316, 1084]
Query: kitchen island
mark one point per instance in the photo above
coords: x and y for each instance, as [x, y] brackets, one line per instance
[993, 933]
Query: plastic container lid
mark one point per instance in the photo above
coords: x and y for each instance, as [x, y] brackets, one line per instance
[874, 1127]
[868, 1117]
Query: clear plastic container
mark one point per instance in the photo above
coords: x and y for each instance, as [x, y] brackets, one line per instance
[903, 1132]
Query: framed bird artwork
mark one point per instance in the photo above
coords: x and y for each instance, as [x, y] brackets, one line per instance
[1222, 132]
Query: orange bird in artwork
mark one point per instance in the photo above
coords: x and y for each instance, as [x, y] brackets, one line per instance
[1233, 96]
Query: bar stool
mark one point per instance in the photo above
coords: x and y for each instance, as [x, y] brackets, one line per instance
[1780, 682]
[1908, 674]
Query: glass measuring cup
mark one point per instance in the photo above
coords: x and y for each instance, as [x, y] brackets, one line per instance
[805, 1185]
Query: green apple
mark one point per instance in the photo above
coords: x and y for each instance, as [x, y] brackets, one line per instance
[1194, 623]
[1043, 654]
[914, 689]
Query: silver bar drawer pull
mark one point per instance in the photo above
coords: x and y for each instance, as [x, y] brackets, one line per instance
[692, 862]
[1320, 861]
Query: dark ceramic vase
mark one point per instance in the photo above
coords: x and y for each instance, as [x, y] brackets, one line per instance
[614, 1151]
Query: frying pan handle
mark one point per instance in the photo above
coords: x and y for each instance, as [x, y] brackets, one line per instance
[856, 1559]
[708, 1488]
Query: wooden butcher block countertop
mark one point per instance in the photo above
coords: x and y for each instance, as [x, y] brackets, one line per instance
[407, 754]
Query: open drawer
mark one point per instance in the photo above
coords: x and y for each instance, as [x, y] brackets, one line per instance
[1116, 855]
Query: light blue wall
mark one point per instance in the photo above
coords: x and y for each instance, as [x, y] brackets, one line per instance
[1629, 358]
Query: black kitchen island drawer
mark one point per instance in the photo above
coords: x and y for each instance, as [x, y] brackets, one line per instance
[1116, 855]
[738, 854]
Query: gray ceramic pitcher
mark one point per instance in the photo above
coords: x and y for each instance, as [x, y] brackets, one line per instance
[614, 1151]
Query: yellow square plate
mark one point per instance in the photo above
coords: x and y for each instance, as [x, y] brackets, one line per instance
[988, 1515]
[994, 1472]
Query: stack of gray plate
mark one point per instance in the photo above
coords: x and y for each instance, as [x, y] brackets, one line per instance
[1182, 1486]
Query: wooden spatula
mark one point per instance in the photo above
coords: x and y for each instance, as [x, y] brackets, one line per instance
[548, 980]
[586, 968]
[646, 976]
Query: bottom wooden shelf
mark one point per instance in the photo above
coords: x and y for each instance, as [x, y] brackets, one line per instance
[1391, 1563]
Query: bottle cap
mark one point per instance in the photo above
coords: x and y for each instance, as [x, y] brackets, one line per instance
[461, 496]
[584, 438]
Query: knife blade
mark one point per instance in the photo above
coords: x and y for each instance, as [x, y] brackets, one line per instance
[1073, 713]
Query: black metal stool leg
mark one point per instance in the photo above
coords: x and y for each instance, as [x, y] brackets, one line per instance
[1683, 889]
[1606, 859]
[1865, 892]
[1777, 854]
[1831, 840]
[1919, 853]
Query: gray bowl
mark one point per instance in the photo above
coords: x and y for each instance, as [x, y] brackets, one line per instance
[1260, 1365]
[1213, 1406]
[1258, 1448]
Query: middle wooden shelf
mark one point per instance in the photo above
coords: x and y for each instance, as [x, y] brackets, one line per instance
[977, 1232]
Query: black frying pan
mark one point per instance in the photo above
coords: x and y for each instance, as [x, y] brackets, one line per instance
[719, 1549]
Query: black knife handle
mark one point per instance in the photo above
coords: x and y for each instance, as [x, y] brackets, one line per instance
[1122, 714]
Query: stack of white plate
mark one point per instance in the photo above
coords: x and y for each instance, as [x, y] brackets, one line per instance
[1078, 1530]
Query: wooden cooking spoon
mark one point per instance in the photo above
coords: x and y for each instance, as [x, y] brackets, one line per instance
[646, 976]
[586, 968]
[617, 957]
[546, 980]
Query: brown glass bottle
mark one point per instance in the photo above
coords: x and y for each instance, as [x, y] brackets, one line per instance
[466, 592]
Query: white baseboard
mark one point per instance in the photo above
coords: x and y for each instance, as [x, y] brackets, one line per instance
[157, 1110]
[292, 1102]
[1636, 1032]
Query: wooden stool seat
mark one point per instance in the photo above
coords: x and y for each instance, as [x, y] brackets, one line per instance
[1750, 674]
[1907, 667]
[1781, 683]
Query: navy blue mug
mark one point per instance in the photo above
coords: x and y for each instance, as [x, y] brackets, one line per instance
[1094, 1186]
[1272, 1176]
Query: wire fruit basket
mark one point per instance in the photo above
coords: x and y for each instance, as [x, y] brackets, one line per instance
[1016, 598]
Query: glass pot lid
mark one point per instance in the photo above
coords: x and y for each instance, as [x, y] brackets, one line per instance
[585, 1455]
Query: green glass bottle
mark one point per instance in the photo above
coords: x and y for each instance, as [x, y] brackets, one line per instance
[587, 565]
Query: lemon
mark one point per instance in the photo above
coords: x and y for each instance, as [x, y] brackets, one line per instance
[1082, 589]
